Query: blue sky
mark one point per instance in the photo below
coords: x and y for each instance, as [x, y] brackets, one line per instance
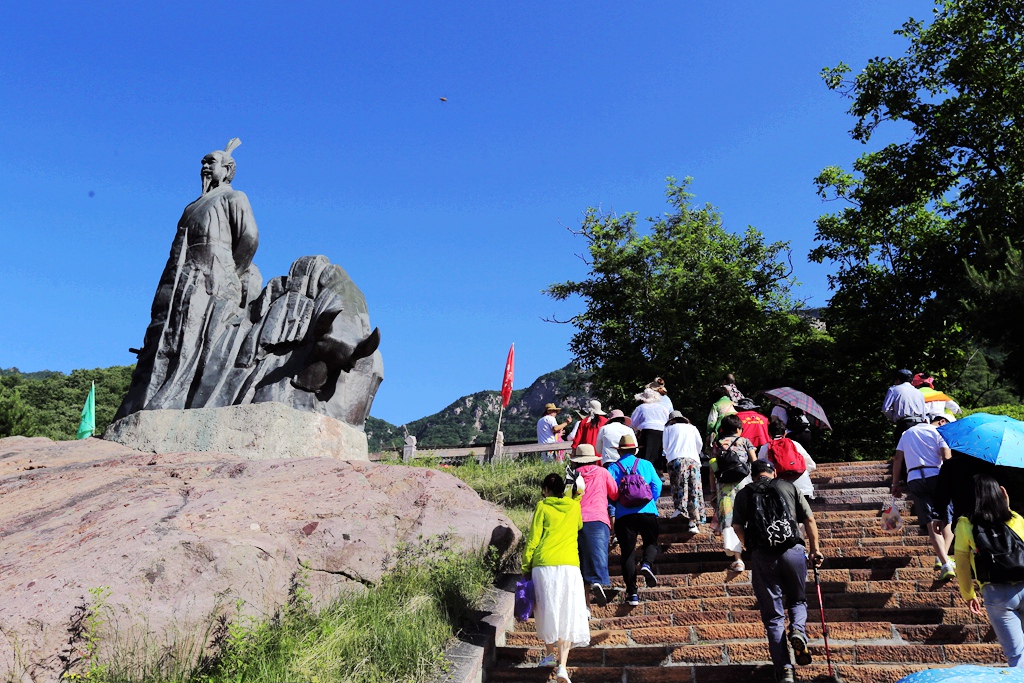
[451, 216]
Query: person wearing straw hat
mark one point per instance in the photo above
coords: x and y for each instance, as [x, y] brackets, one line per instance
[590, 425]
[599, 488]
[548, 429]
[682, 450]
[636, 520]
[608, 437]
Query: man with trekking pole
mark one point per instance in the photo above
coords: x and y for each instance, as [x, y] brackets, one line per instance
[766, 516]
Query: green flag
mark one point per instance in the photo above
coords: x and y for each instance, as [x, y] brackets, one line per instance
[88, 424]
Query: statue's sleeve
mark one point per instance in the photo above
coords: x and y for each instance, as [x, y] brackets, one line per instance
[244, 235]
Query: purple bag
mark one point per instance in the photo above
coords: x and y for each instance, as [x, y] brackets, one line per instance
[524, 599]
[634, 490]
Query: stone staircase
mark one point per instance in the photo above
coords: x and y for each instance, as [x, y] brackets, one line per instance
[887, 615]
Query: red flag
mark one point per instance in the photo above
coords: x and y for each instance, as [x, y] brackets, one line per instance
[506, 383]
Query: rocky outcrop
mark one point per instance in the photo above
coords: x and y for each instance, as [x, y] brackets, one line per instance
[256, 431]
[181, 538]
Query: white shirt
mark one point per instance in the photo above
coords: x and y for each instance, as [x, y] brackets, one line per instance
[649, 416]
[903, 400]
[780, 412]
[803, 482]
[682, 440]
[667, 402]
[546, 429]
[608, 441]
[921, 446]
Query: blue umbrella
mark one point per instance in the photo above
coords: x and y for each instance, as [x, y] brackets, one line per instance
[997, 439]
[966, 674]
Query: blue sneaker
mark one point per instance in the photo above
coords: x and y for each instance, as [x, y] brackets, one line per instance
[633, 599]
[550, 660]
[649, 576]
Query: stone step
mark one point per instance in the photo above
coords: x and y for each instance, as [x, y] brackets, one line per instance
[731, 673]
[888, 615]
[755, 653]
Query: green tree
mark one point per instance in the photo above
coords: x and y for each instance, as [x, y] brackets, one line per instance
[686, 300]
[915, 212]
[16, 417]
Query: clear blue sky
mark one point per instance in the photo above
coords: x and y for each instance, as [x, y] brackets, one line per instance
[451, 216]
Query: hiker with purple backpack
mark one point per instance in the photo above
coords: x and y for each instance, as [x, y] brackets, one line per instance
[636, 514]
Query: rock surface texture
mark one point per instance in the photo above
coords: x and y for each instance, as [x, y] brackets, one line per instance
[258, 431]
[179, 538]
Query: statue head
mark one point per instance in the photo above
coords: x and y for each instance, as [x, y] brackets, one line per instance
[219, 166]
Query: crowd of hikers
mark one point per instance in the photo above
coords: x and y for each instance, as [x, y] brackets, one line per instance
[759, 467]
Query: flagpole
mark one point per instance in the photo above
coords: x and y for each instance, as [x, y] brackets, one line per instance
[496, 431]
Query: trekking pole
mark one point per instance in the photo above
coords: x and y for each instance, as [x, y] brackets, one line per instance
[824, 627]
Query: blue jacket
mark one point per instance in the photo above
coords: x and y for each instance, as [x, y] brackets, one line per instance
[647, 471]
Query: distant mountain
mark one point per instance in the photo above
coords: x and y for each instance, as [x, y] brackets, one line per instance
[473, 419]
[55, 401]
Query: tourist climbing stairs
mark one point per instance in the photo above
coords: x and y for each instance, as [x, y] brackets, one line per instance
[887, 614]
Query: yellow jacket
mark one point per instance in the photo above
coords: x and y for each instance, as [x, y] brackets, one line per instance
[553, 536]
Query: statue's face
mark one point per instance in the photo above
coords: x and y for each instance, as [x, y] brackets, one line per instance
[214, 171]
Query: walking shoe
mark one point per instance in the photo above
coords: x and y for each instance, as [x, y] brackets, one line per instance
[693, 529]
[948, 571]
[633, 599]
[597, 592]
[648, 574]
[938, 564]
[562, 676]
[548, 660]
[737, 566]
[786, 676]
[799, 642]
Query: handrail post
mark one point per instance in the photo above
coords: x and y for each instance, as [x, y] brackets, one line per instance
[499, 446]
[409, 450]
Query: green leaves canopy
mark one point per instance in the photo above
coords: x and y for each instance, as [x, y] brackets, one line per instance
[686, 300]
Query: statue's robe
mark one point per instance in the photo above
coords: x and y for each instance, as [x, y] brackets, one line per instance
[200, 301]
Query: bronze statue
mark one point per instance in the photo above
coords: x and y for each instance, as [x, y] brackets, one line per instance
[304, 341]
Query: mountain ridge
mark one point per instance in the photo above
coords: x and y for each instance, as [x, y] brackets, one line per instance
[473, 418]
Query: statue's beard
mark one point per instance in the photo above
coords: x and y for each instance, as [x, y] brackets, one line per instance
[207, 183]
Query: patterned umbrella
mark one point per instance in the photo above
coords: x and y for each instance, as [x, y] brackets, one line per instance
[997, 439]
[966, 674]
[798, 399]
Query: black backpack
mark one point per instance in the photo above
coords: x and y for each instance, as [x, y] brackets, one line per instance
[796, 420]
[732, 461]
[1000, 556]
[770, 523]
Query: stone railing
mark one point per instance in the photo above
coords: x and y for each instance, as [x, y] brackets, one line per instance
[483, 453]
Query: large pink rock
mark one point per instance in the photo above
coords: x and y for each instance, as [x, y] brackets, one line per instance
[182, 537]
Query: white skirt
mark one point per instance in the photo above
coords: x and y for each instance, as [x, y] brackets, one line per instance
[560, 609]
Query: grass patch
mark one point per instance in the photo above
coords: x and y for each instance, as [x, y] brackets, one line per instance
[512, 484]
[395, 631]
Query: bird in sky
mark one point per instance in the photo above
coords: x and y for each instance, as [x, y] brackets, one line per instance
[444, 99]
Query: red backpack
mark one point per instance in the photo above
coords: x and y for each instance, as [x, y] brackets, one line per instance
[789, 463]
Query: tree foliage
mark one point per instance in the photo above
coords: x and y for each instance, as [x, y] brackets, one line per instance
[686, 300]
[915, 212]
[53, 400]
[15, 415]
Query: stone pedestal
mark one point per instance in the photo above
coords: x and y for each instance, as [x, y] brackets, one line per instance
[257, 431]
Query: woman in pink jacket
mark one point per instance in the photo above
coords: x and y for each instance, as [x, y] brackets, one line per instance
[593, 539]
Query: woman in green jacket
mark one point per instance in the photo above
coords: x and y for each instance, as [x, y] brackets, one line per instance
[552, 559]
